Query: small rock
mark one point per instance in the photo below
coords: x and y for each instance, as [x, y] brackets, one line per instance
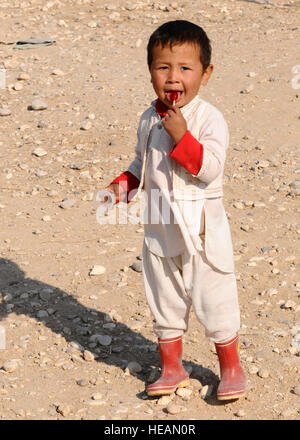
[20, 412]
[42, 314]
[121, 410]
[238, 205]
[206, 391]
[41, 173]
[275, 271]
[295, 187]
[23, 77]
[262, 164]
[117, 349]
[296, 390]
[42, 124]
[67, 203]
[114, 16]
[154, 375]
[110, 325]
[77, 166]
[289, 412]
[137, 266]
[240, 413]
[64, 410]
[173, 409]
[57, 72]
[248, 89]
[10, 366]
[263, 373]
[295, 329]
[38, 104]
[164, 400]
[39, 152]
[95, 402]
[245, 228]
[17, 87]
[96, 396]
[184, 392]
[5, 112]
[160, 415]
[104, 340]
[289, 304]
[134, 367]
[97, 270]
[259, 205]
[82, 382]
[88, 356]
[272, 292]
[86, 125]
[52, 193]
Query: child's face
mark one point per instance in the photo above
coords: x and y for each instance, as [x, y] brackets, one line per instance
[178, 70]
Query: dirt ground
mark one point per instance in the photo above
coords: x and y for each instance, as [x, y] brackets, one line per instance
[70, 338]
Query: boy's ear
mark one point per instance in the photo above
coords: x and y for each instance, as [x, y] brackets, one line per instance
[207, 74]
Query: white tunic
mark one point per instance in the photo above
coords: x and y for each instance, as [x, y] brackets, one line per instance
[163, 230]
[155, 169]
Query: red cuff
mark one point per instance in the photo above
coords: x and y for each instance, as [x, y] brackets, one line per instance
[188, 153]
[128, 181]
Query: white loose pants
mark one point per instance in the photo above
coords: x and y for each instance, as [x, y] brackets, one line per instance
[174, 284]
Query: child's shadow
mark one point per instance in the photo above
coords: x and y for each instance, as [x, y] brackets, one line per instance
[65, 315]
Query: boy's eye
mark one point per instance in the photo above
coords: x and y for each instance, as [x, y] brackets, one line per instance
[185, 68]
[163, 67]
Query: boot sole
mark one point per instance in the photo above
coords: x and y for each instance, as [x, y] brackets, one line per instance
[164, 392]
[231, 396]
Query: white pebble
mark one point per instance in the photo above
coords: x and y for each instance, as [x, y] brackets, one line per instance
[206, 391]
[39, 152]
[5, 112]
[164, 400]
[175, 409]
[263, 373]
[38, 104]
[97, 270]
[240, 413]
[184, 392]
[10, 366]
[86, 125]
[97, 396]
[253, 369]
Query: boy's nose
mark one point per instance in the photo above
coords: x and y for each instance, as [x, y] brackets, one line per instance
[173, 76]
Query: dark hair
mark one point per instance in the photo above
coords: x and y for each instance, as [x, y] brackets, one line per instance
[179, 32]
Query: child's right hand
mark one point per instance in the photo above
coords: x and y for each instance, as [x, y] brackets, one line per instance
[118, 190]
[106, 198]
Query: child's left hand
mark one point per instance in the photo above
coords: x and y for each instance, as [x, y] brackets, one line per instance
[175, 124]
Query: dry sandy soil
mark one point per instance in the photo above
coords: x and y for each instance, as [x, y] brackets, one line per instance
[70, 336]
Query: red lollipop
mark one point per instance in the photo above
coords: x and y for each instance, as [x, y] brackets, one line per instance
[173, 96]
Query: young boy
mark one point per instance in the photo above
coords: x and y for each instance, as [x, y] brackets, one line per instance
[187, 261]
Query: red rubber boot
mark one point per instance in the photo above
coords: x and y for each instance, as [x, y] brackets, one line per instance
[233, 379]
[173, 374]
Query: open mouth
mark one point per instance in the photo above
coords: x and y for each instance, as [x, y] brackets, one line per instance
[173, 95]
